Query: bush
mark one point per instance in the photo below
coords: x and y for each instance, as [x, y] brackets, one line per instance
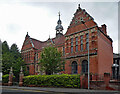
[5, 78]
[63, 80]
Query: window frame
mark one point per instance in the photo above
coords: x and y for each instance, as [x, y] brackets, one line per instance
[76, 44]
[71, 45]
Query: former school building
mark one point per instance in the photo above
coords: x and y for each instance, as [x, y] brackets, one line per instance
[74, 46]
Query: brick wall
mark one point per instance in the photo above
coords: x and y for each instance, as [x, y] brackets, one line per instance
[105, 54]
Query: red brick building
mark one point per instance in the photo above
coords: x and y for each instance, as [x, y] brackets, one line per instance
[74, 45]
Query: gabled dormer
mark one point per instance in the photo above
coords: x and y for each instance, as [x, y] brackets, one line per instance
[27, 43]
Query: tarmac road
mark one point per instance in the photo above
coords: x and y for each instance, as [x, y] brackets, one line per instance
[38, 90]
[25, 91]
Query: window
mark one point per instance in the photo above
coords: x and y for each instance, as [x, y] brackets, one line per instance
[76, 46]
[71, 45]
[63, 51]
[87, 41]
[87, 45]
[84, 66]
[25, 56]
[81, 40]
[67, 44]
[37, 57]
[64, 67]
[29, 56]
[87, 36]
[28, 69]
[36, 67]
[74, 67]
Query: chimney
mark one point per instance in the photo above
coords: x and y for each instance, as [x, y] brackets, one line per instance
[104, 29]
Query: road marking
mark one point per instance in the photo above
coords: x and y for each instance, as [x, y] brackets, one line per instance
[24, 89]
[33, 90]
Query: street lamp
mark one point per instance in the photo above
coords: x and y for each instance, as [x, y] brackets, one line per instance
[115, 65]
[83, 22]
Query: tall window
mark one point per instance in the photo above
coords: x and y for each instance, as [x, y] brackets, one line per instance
[76, 46]
[81, 40]
[36, 67]
[74, 67]
[28, 69]
[25, 56]
[87, 41]
[29, 56]
[63, 51]
[84, 66]
[67, 45]
[71, 45]
[37, 57]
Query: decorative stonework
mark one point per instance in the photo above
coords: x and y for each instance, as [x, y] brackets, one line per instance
[10, 77]
[21, 75]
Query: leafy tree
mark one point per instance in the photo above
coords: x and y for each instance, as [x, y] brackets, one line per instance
[15, 51]
[11, 58]
[6, 58]
[5, 47]
[51, 61]
[7, 61]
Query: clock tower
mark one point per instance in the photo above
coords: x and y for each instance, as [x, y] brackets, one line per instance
[59, 28]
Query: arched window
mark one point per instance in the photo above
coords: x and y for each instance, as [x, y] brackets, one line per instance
[84, 66]
[74, 67]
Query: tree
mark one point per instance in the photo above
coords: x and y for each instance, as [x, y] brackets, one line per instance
[11, 58]
[51, 61]
[5, 47]
[15, 51]
[6, 58]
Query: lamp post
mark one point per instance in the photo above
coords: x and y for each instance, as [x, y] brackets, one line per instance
[115, 65]
[83, 22]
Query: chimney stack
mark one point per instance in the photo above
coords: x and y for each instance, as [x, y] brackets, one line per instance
[104, 29]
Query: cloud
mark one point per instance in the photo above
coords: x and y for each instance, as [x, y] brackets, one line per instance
[39, 19]
[119, 27]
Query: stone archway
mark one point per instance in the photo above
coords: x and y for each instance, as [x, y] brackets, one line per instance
[74, 67]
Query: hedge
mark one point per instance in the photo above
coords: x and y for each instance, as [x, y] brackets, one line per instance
[5, 78]
[63, 80]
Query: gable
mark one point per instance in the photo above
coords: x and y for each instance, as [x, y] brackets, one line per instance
[76, 24]
[27, 44]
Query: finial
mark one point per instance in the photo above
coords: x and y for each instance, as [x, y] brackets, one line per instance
[11, 70]
[27, 35]
[49, 36]
[59, 14]
[79, 6]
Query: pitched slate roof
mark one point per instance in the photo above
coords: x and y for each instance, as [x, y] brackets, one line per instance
[40, 44]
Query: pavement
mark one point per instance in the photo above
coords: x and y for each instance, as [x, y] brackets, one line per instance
[63, 90]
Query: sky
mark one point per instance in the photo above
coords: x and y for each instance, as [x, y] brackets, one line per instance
[39, 19]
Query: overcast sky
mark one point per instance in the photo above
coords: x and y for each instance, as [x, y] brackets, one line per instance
[39, 19]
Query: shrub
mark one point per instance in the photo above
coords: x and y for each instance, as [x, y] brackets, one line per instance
[63, 80]
[5, 78]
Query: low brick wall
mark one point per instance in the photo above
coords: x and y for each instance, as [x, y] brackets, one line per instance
[100, 82]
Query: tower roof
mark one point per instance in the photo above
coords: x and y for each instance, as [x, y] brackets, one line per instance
[59, 27]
